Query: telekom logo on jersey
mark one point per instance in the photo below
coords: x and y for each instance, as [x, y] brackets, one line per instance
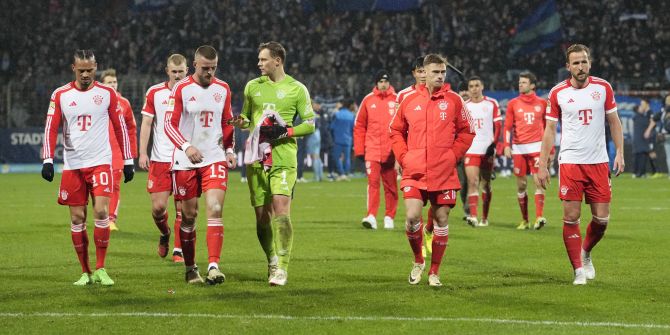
[206, 118]
[585, 115]
[84, 122]
[529, 117]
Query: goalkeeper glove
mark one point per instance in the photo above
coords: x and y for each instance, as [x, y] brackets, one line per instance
[276, 132]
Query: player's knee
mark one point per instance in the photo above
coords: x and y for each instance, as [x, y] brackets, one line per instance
[78, 219]
[215, 208]
[412, 224]
[189, 214]
[100, 213]
[158, 209]
[601, 220]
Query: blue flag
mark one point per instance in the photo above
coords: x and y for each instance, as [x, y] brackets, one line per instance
[540, 30]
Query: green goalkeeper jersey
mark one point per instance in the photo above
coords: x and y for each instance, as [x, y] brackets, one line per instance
[289, 98]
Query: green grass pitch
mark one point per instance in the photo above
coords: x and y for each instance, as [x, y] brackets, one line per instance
[342, 279]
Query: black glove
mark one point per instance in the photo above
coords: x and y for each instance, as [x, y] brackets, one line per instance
[274, 132]
[128, 172]
[491, 150]
[48, 172]
[361, 158]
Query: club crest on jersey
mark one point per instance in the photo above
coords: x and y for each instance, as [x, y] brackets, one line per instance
[281, 94]
[564, 190]
[443, 105]
[97, 99]
[538, 108]
[595, 96]
[63, 194]
[217, 97]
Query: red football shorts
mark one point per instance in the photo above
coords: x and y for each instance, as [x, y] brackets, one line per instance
[160, 177]
[481, 161]
[526, 164]
[436, 198]
[189, 184]
[591, 180]
[76, 185]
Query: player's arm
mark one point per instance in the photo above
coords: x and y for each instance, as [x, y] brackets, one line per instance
[172, 118]
[497, 125]
[552, 115]
[306, 114]
[507, 130]
[243, 121]
[615, 129]
[121, 133]
[228, 131]
[54, 115]
[148, 114]
[360, 128]
[465, 132]
[129, 118]
[398, 133]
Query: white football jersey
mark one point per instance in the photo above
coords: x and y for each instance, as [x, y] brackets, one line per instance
[198, 115]
[484, 114]
[582, 114]
[85, 117]
[155, 106]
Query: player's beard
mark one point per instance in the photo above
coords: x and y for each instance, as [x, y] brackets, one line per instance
[85, 83]
[204, 80]
[585, 74]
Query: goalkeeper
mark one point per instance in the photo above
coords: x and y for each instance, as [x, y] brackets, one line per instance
[272, 189]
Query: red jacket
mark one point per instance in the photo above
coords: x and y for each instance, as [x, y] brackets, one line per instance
[430, 134]
[524, 120]
[126, 111]
[371, 136]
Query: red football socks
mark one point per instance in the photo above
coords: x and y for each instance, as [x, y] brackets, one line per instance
[573, 243]
[177, 231]
[80, 242]
[473, 201]
[188, 237]
[594, 232]
[440, 239]
[101, 239]
[539, 205]
[523, 205]
[415, 239]
[214, 239]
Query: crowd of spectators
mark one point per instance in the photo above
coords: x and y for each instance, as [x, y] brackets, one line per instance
[334, 53]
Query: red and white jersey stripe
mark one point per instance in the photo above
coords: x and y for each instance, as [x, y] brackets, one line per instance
[156, 106]
[85, 117]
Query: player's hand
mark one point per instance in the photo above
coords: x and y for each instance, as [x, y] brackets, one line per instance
[144, 162]
[128, 172]
[618, 165]
[239, 121]
[491, 150]
[48, 172]
[194, 155]
[398, 168]
[231, 158]
[275, 132]
[542, 178]
[507, 152]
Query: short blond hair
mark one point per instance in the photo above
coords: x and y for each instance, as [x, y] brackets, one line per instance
[176, 59]
[111, 72]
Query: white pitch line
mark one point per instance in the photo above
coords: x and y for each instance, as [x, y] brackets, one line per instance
[338, 318]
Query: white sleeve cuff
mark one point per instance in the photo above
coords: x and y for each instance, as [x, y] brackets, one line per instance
[48, 160]
[128, 162]
[185, 146]
[230, 151]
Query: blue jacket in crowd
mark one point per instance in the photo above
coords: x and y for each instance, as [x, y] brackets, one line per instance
[342, 127]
